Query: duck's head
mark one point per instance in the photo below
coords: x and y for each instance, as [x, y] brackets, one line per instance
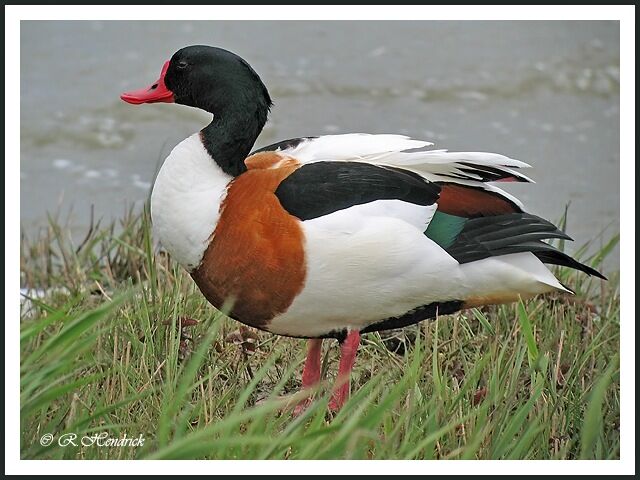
[209, 78]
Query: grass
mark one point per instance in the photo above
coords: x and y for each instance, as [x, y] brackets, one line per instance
[102, 351]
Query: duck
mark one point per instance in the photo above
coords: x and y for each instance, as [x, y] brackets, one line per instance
[335, 236]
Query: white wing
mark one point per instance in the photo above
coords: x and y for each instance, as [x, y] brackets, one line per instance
[399, 151]
[394, 150]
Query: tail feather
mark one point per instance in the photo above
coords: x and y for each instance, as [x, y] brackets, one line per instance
[493, 236]
[505, 226]
[556, 257]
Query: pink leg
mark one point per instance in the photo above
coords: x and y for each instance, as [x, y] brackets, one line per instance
[348, 350]
[311, 372]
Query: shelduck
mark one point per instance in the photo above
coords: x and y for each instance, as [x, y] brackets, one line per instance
[336, 235]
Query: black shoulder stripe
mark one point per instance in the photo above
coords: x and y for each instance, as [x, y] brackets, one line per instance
[322, 188]
[284, 145]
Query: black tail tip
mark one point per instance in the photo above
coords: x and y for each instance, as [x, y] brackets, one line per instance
[592, 271]
[556, 257]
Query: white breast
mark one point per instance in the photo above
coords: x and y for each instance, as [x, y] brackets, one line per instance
[185, 202]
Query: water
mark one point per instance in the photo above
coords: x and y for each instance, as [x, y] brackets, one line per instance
[546, 93]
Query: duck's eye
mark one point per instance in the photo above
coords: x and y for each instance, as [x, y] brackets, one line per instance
[182, 65]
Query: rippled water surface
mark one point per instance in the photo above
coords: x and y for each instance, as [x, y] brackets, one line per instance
[546, 93]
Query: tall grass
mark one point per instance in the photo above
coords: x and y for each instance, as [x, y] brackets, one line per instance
[104, 350]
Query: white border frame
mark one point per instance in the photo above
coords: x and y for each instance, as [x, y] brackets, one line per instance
[624, 14]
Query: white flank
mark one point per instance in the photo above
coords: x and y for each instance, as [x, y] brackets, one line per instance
[363, 267]
[372, 262]
[185, 201]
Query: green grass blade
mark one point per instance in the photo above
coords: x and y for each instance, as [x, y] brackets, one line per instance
[527, 330]
[592, 423]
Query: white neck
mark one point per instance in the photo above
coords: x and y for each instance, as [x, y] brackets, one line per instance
[185, 202]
